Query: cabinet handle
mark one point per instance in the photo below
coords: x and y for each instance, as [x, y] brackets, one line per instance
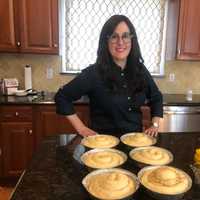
[30, 132]
[179, 51]
[16, 114]
[55, 45]
[18, 44]
[0, 152]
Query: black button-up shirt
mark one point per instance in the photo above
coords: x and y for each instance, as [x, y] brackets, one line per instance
[109, 112]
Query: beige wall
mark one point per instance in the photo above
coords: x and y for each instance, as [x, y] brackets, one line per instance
[12, 65]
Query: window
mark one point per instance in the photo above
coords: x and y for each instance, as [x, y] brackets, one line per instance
[82, 21]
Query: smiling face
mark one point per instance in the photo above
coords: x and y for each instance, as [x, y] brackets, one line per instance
[119, 44]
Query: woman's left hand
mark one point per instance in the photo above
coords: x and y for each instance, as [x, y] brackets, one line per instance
[152, 131]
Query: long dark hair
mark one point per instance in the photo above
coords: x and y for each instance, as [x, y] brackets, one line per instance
[106, 65]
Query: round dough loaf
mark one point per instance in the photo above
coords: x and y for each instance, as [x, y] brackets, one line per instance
[165, 180]
[111, 185]
[100, 141]
[152, 155]
[103, 158]
[138, 140]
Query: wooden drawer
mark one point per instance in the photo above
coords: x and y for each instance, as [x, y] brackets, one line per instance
[15, 113]
[146, 117]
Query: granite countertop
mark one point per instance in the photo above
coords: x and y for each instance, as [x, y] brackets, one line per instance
[180, 99]
[48, 98]
[56, 172]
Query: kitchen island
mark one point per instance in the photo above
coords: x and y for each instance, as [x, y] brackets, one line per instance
[55, 172]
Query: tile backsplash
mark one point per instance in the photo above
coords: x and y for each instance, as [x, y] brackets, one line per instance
[12, 65]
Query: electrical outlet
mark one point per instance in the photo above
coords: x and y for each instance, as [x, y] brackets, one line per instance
[171, 77]
[49, 72]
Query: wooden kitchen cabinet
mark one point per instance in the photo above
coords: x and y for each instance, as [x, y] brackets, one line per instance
[17, 141]
[8, 35]
[188, 46]
[17, 147]
[29, 26]
[49, 123]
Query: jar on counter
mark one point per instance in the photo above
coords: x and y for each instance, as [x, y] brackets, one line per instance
[196, 166]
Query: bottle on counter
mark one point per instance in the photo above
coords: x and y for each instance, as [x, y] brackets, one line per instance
[196, 166]
[197, 158]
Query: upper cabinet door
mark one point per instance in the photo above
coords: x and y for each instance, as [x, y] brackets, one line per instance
[39, 26]
[8, 34]
[29, 26]
[189, 30]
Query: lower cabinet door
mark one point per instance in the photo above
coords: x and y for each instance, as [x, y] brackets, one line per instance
[17, 147]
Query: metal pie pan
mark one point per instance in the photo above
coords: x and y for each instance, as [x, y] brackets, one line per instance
[100, 171]
[161, 196]
[154, 140]
[141, 164]
[90, 168]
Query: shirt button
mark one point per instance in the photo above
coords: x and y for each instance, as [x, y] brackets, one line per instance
[122, 74]
[129, 109]
[129, 98]
[125, 86]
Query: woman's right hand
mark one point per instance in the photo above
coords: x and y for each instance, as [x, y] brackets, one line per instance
[85, 131]
[80, 127]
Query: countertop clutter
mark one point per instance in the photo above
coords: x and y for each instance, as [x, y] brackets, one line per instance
[48, 98]
[39, 98]
[55, 172]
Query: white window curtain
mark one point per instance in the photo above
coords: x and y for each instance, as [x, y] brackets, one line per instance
[81, 22]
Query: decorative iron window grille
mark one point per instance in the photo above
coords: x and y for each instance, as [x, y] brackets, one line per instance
[82, 20]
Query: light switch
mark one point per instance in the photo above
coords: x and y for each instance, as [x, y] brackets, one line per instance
[171, 77]
[49, 72]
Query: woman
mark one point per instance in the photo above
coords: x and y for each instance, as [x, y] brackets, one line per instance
[118, 84]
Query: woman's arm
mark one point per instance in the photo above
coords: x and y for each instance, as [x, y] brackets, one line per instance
[66, 95]
[79, 126]
[155, 102]
[81, 85]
